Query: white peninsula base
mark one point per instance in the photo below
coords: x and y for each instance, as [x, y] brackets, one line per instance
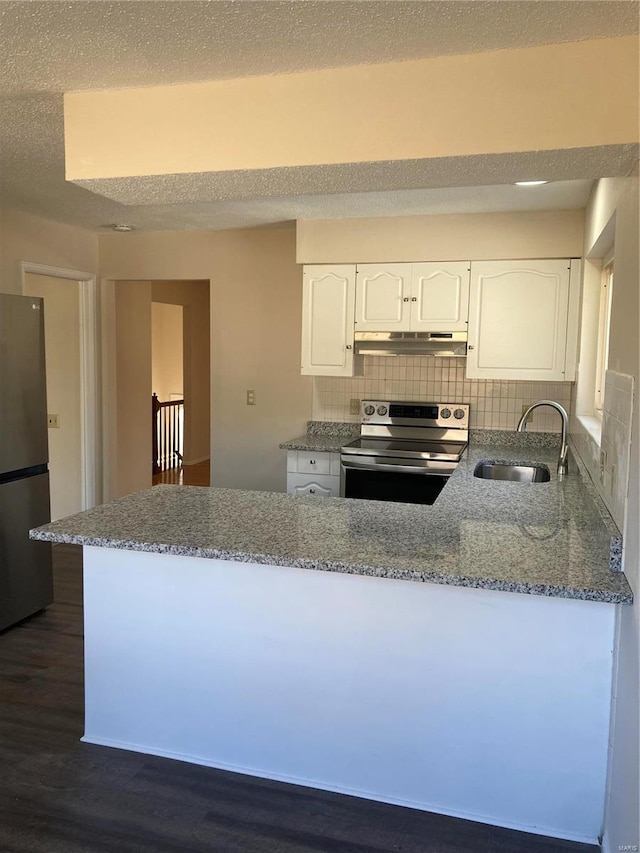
[486, 705]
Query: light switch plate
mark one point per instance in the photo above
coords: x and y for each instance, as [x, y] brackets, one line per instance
[354, 406]
[53, 421]
[251, 398]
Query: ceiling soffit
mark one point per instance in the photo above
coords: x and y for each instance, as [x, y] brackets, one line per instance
[482, 170]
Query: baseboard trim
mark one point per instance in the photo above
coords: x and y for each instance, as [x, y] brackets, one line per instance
[338, 789]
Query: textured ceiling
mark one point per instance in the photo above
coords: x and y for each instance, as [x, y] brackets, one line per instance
[47, 48]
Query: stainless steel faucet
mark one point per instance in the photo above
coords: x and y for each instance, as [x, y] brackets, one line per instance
[564, 448]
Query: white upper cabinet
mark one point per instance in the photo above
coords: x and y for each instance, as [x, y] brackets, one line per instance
[429, 297]
[439, 297]
[522, 315]
[383, 297]
[520, 326]
[328, 302]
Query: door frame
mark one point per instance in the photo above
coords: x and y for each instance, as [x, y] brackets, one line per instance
[90, 436]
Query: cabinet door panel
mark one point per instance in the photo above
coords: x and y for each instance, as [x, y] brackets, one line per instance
[440, 297]
[518, 320]
[328, 296]
[310, 462]
[320, 486]
[383, 293]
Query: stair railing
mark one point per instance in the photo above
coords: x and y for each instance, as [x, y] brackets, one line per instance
[167, 430]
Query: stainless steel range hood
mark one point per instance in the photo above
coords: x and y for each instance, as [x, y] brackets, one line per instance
[446, 344]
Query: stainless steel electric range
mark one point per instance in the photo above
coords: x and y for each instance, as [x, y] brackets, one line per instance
[406, 451]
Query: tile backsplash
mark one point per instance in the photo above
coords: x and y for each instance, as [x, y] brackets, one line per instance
[495, 404]
[611, 478]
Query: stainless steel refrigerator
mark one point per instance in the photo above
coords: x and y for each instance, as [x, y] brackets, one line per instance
[26, 582]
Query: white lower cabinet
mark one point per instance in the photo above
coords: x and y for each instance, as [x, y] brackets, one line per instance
[321, 486]
[310, 473]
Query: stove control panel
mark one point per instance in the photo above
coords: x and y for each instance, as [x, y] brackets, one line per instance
[399, 413]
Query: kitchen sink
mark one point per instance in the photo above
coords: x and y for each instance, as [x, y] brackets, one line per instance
[512, 472]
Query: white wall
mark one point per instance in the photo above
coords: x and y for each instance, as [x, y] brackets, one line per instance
[62, 349]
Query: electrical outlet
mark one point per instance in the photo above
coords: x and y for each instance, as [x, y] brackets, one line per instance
[354, 406]
[612, 482]
[603, 464]
[251, 398]
[53, 421]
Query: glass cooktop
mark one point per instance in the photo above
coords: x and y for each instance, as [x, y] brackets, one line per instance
[409, 448]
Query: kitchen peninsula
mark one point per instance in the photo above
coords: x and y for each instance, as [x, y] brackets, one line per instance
[454, 658]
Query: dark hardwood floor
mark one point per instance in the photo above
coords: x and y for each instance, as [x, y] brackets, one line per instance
[58, 795]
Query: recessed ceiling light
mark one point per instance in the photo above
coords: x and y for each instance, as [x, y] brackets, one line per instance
[122, 228]
[530, 183]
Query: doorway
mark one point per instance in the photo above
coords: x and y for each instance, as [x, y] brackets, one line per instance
[131, 365]
[167, 385]
[71, 368]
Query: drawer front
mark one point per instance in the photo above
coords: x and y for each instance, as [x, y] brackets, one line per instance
[321, 486]
[313, 463]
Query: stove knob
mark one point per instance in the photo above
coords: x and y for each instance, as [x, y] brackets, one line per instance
[445, 413]
[369, 410]
[382, 411]
[459, 413]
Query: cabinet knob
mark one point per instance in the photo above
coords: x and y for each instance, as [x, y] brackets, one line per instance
[414, 298]
[312, 462]
[312, 491]
[348, 346]
[470, 346]
[406, 299]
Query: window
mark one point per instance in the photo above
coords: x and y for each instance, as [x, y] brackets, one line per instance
[604, 319]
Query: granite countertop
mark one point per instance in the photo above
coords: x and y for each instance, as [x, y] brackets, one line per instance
[552, 539]
[317, 443]
[323, 437]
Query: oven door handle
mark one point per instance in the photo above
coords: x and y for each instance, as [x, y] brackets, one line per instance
[400, 467]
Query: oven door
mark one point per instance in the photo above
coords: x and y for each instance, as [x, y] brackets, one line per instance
[379, 478]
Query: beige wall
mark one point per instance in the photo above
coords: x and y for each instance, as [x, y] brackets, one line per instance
[167, 377]
[193, 296]
[29, 238]
[539, 98]
[256, 306]
[623, 819]
[612, 219]
[132, 407]
[62, 346]
[464, 237]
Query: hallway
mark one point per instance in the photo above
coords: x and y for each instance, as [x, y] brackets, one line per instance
[186, 475]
